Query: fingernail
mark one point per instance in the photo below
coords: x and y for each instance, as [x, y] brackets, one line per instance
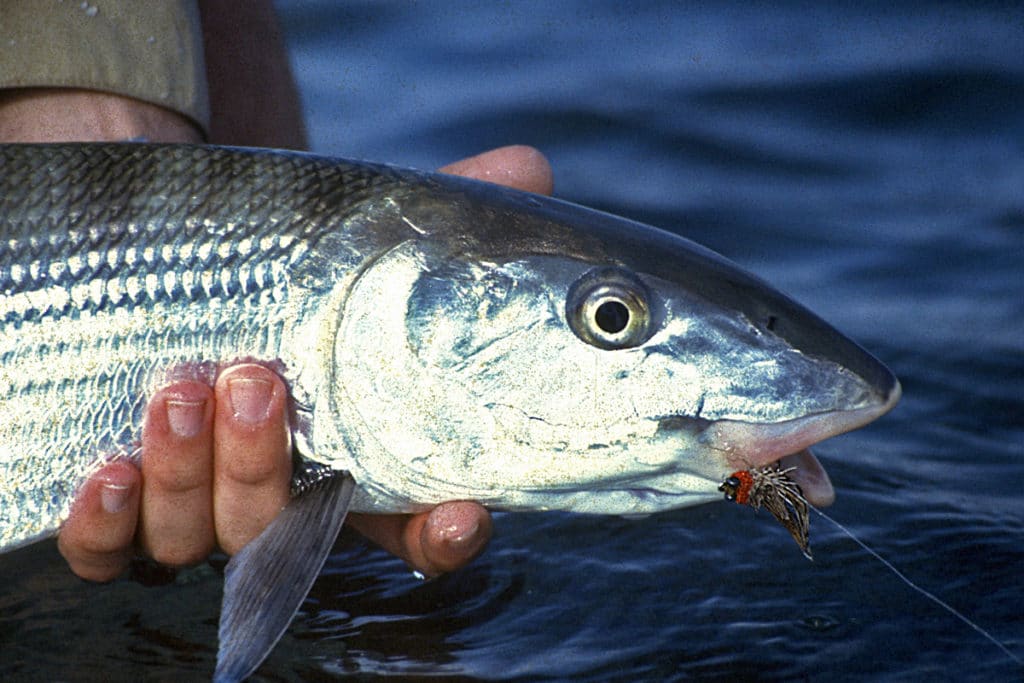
[451, 527]
[185, 417]
[250, 398]
[114, 497]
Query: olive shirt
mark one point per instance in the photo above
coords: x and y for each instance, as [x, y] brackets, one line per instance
[150, 51]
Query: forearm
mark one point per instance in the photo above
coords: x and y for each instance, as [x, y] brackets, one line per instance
[226, 80]
[253, 97]
[117, 72]
[63, 114]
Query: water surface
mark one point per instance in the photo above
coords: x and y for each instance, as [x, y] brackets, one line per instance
[868, 160]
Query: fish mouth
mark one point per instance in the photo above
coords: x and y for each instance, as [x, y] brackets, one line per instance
[749, 445]
[810, 476]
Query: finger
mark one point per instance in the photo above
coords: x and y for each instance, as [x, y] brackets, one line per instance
[176, 515]
[442, 540]
[517, 166]
[252, 453]
[97, 540]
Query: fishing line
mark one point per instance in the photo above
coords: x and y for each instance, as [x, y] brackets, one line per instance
[928, 594]
[771, 487]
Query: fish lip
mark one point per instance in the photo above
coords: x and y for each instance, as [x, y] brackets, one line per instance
[749, 445]
[810, 476]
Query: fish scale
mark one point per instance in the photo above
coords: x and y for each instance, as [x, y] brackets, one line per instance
[119, 263]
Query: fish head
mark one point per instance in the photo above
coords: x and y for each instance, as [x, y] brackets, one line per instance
[532, 354]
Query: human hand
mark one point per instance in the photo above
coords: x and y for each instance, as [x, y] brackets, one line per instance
[216, 463]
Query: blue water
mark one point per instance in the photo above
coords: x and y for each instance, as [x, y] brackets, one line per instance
[866, 158]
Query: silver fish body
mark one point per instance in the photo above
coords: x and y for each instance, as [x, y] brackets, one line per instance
[121, 263]
[441, 338]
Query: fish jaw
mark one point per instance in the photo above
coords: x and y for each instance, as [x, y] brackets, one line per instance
[811, 477]
[748, 445]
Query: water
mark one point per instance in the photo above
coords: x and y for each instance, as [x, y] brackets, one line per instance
[867, 159]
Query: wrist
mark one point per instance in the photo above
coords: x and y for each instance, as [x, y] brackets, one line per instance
[65, 114]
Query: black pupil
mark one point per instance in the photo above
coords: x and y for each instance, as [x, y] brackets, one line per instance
[612, 317]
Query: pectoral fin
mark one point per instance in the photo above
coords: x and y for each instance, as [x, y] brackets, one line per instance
[266, 582]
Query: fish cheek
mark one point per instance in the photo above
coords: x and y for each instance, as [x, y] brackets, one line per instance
[461, 311]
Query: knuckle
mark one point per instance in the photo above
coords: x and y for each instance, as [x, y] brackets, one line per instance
[175, 471]
[180, 556]
[98, 572]
[96, 560]
[257, 469]
[178, 549]
[94, 548]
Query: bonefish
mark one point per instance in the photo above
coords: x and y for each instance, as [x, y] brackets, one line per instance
[441, 339]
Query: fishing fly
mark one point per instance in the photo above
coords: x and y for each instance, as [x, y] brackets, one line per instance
[772, 488]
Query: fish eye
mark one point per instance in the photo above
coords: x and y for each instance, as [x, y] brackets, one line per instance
[609, 308]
